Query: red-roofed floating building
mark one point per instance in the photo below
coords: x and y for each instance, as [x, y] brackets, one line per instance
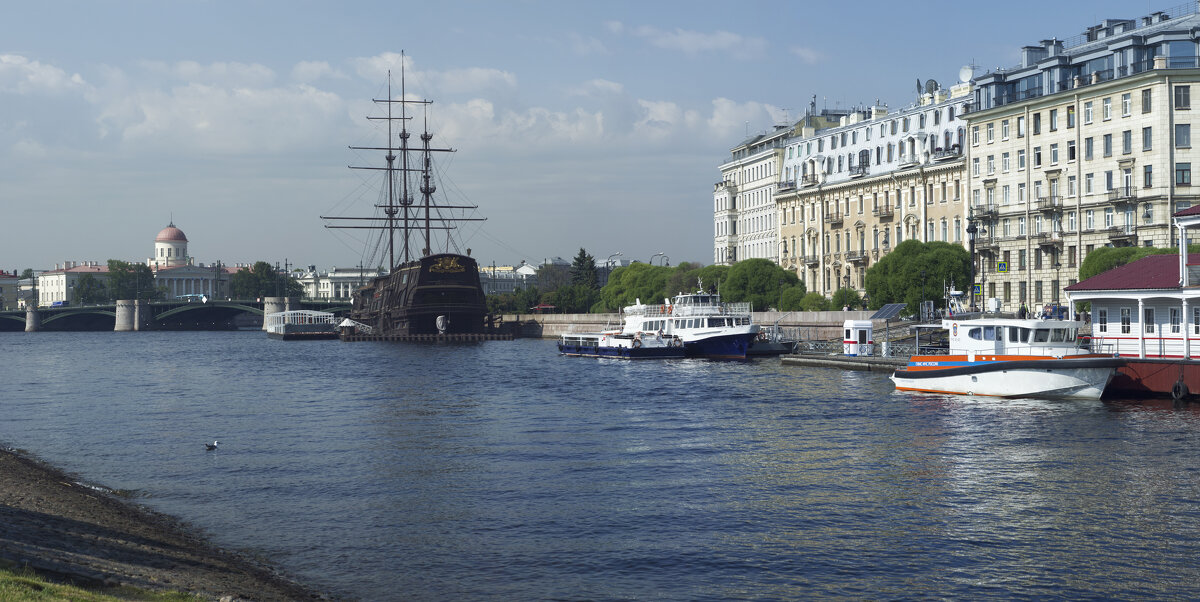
[1149, 311]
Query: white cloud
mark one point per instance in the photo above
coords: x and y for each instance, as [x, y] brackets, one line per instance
[218, 74]
[695, 42]
[808, 55]
[586, 46]
[23, 76]
[310, 71]
[729, 119]
[597, 87]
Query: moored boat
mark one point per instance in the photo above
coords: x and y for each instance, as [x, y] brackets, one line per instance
[301, 324]
[707, 327]
[1005, 357]
[621, 345]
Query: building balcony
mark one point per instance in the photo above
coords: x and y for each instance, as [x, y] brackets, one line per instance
[1122, 234]
[1049, 203]
[856, 256]
[1048, 239]
[860, 170]
[834, 217]
[1127, 194]
[785, 185]
[908, 161]
[810, 180]
[987, 244]
[811, 260]
[729, 187]
[985, 210]
[884, 211]
[946, 154]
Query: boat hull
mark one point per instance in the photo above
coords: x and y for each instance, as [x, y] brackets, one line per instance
[625, 353]
[1084, 378]
[726, 347]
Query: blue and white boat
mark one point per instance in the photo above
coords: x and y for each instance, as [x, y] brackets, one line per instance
[621, 345]
[707, 327]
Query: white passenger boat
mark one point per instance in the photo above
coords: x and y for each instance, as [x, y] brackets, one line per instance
[1007, 357]
[707, 327]
[621, 345]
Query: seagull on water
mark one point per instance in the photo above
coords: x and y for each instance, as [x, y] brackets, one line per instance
[210, 446]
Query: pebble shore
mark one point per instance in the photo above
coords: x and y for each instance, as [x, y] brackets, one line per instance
[84, 535]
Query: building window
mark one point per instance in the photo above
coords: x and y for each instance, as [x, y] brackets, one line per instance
[1071, 150]
[1088, 146]
[1126, 142]
[1071, 186]
[1183, 97]
[1108, 145]
[1125, 315]
[1037, 123]
[1089, 219]
[1071, 116]
[991, 164]
[1037, 156]
[1071, 228]
[991, 133]
[1183, 174]
[1183, 135]
[1102, 320]
[1106, 109]
[975, 136]
[1004, 130]
[1087, 183]
[1126, 104]
[1053, 120]
[1020, 159]
[975, 166]
[1087, 112]
[1053, 154]
[1149, 320]
[1147, 138]
[1020, 127]
[1146, 100]
[1174, 312]
[1148, 176]
[1004, 162]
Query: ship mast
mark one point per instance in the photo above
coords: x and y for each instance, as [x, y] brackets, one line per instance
[400, 202]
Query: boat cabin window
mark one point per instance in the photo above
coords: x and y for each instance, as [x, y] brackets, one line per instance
[1058, 335]
[987, 333]
[1016, 334]
[1041, 335]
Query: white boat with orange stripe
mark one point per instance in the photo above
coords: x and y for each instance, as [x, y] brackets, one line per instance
[1006, 357]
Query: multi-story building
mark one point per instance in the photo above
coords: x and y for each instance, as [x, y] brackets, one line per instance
[744, 224]
[338, 283]
[850, 192]
[1085, 144]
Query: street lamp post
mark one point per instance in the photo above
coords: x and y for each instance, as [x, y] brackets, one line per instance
[1057, 285]
[922, 306]
[608, 266]
[971, 230]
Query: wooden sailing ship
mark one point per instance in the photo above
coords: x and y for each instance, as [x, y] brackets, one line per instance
[422, 292]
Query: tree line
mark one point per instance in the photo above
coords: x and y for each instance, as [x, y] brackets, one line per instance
[126, 280]
[896, 278]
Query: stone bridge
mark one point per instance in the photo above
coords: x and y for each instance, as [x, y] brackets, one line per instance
[230, 314]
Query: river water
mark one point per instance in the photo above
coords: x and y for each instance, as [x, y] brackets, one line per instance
[501, 470]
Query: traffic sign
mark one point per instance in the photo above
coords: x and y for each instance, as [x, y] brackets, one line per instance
[1002, 267]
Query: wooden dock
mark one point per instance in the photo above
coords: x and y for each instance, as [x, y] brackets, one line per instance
[429, 338]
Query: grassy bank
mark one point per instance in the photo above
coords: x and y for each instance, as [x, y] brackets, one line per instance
[25, 585]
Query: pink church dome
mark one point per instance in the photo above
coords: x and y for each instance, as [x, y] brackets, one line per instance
[171, 234]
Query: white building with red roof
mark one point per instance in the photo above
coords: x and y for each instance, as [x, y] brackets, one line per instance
[170, 248]
[1149, 308]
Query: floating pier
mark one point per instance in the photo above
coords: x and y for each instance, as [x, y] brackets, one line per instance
[867, 363]
[428, 338]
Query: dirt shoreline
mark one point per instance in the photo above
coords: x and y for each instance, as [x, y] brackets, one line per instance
[71, 532]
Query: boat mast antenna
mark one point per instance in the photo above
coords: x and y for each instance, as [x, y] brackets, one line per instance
[405, 198]
[427, 186]
[390, 209]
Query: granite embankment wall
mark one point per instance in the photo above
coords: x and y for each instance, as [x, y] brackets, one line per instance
[811, 325]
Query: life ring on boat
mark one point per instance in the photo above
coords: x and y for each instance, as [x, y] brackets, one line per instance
[637, 343]
[1180, 392]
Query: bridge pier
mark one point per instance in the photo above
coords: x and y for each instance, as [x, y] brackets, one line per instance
[127, 315]
[33, 319]
[273, 305]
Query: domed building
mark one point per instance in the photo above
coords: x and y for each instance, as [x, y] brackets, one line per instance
[170, 248]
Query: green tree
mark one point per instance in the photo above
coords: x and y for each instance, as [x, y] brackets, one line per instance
[814, 301]
[897, 277]
[27, 274]
[575, 298]
[627, 284]
[131, 281]
[846, 297]
[551, 276]
[583, 270]
[263, 280]
[89, 290]
[759, 281]
[791, 298]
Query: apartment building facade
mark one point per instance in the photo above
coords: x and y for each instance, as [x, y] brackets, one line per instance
[853, 191]
[1085, 144]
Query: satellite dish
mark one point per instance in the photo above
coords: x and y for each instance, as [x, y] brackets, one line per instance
[965, 74]
[931, 86]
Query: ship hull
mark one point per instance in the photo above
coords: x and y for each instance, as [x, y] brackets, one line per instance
[415, 297]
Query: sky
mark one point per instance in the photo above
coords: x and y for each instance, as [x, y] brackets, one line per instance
[598, 125]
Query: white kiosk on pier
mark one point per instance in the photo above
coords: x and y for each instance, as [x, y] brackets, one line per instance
[858, 339]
